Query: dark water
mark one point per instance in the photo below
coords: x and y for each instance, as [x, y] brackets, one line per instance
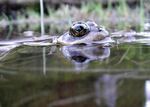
[75, 76]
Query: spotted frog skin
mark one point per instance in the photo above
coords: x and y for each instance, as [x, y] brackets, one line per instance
[84, 33]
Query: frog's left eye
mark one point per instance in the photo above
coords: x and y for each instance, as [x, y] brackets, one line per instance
[79, 30]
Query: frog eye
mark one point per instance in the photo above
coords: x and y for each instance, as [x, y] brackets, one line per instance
[79, 30]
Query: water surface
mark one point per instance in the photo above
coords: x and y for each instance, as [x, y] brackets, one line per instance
[75, 76]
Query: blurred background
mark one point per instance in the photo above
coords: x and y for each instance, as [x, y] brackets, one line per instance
[59, 14]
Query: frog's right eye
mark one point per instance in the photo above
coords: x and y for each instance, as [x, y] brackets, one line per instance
[79, 30]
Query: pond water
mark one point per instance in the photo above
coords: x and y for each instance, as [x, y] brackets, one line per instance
[75, 76]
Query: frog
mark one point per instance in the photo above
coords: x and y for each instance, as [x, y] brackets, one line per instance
[81, 55]
[85, 32]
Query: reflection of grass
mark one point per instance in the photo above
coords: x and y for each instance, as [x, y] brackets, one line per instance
[10, 26]
[27, 88]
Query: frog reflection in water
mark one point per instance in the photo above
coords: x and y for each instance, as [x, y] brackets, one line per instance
[85, 33]
[81, 55]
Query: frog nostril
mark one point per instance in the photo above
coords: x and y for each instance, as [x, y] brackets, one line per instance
[100, 29]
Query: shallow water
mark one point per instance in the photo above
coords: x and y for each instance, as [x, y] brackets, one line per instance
[76, 76]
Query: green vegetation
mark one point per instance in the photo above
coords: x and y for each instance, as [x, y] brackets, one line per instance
[118, 17]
